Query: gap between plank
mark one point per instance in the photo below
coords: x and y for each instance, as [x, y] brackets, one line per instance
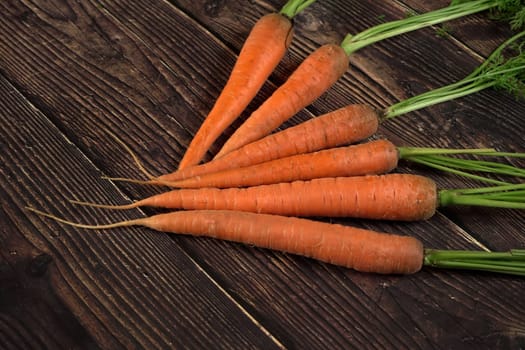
[234, 301]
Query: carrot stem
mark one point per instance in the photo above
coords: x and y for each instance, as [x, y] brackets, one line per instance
[352, 43]
[501, 196]
[458, 172]
[438, 158]
[511, 262]
[495, 72]
[477, 165]
[293, 7]
[407, 152]
[433, 97]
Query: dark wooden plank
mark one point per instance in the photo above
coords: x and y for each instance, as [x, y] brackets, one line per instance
[31, 314]
[137, 79]
[125, 289]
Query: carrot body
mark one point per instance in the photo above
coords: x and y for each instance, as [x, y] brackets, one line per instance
[359, 249]
[390, 197]
[346, 125]
[376, 157]
[263, 49]
[310, 80]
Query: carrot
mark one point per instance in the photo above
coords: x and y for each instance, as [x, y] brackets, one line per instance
[324, 66]
[375, 157]
[262, 50]
[350, 247]
[392, 197]
[403, 197]
[346, 246]
[342, 126]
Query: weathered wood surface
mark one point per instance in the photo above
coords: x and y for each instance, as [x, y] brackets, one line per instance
[149, 71]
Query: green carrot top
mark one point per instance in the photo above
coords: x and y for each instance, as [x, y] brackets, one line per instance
[496, 71]
[443, 159]
[511, 262]
[509, 10]
[293, 7]
[501, 196]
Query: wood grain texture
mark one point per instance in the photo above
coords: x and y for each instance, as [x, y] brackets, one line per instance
[112, 283]
[149, 72]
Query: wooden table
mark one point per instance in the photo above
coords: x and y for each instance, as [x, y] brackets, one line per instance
[149, 71]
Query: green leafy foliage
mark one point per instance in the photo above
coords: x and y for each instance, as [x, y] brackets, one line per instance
[293, 7]
[498, 71]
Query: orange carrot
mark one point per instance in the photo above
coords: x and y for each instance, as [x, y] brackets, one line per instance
[376, 157]
[390, 197]
[311, 79]
[343, 126]
[262, 51]
[359, 249]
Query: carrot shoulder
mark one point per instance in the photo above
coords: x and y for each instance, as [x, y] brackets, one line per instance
[345, 125]
[260, 54]
[311, 79]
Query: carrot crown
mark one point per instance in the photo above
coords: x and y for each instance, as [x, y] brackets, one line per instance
[496, 72]
[509, 10]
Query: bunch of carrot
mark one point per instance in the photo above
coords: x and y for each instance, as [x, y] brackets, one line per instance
[315, 75]
[226, 199]
[310, 150]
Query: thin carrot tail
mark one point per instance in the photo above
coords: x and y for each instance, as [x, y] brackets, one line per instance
[136, 159]
[311, 79]
[158, 181]
[105, 206]
[125, 179]
[262, 51]
[85, 226]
